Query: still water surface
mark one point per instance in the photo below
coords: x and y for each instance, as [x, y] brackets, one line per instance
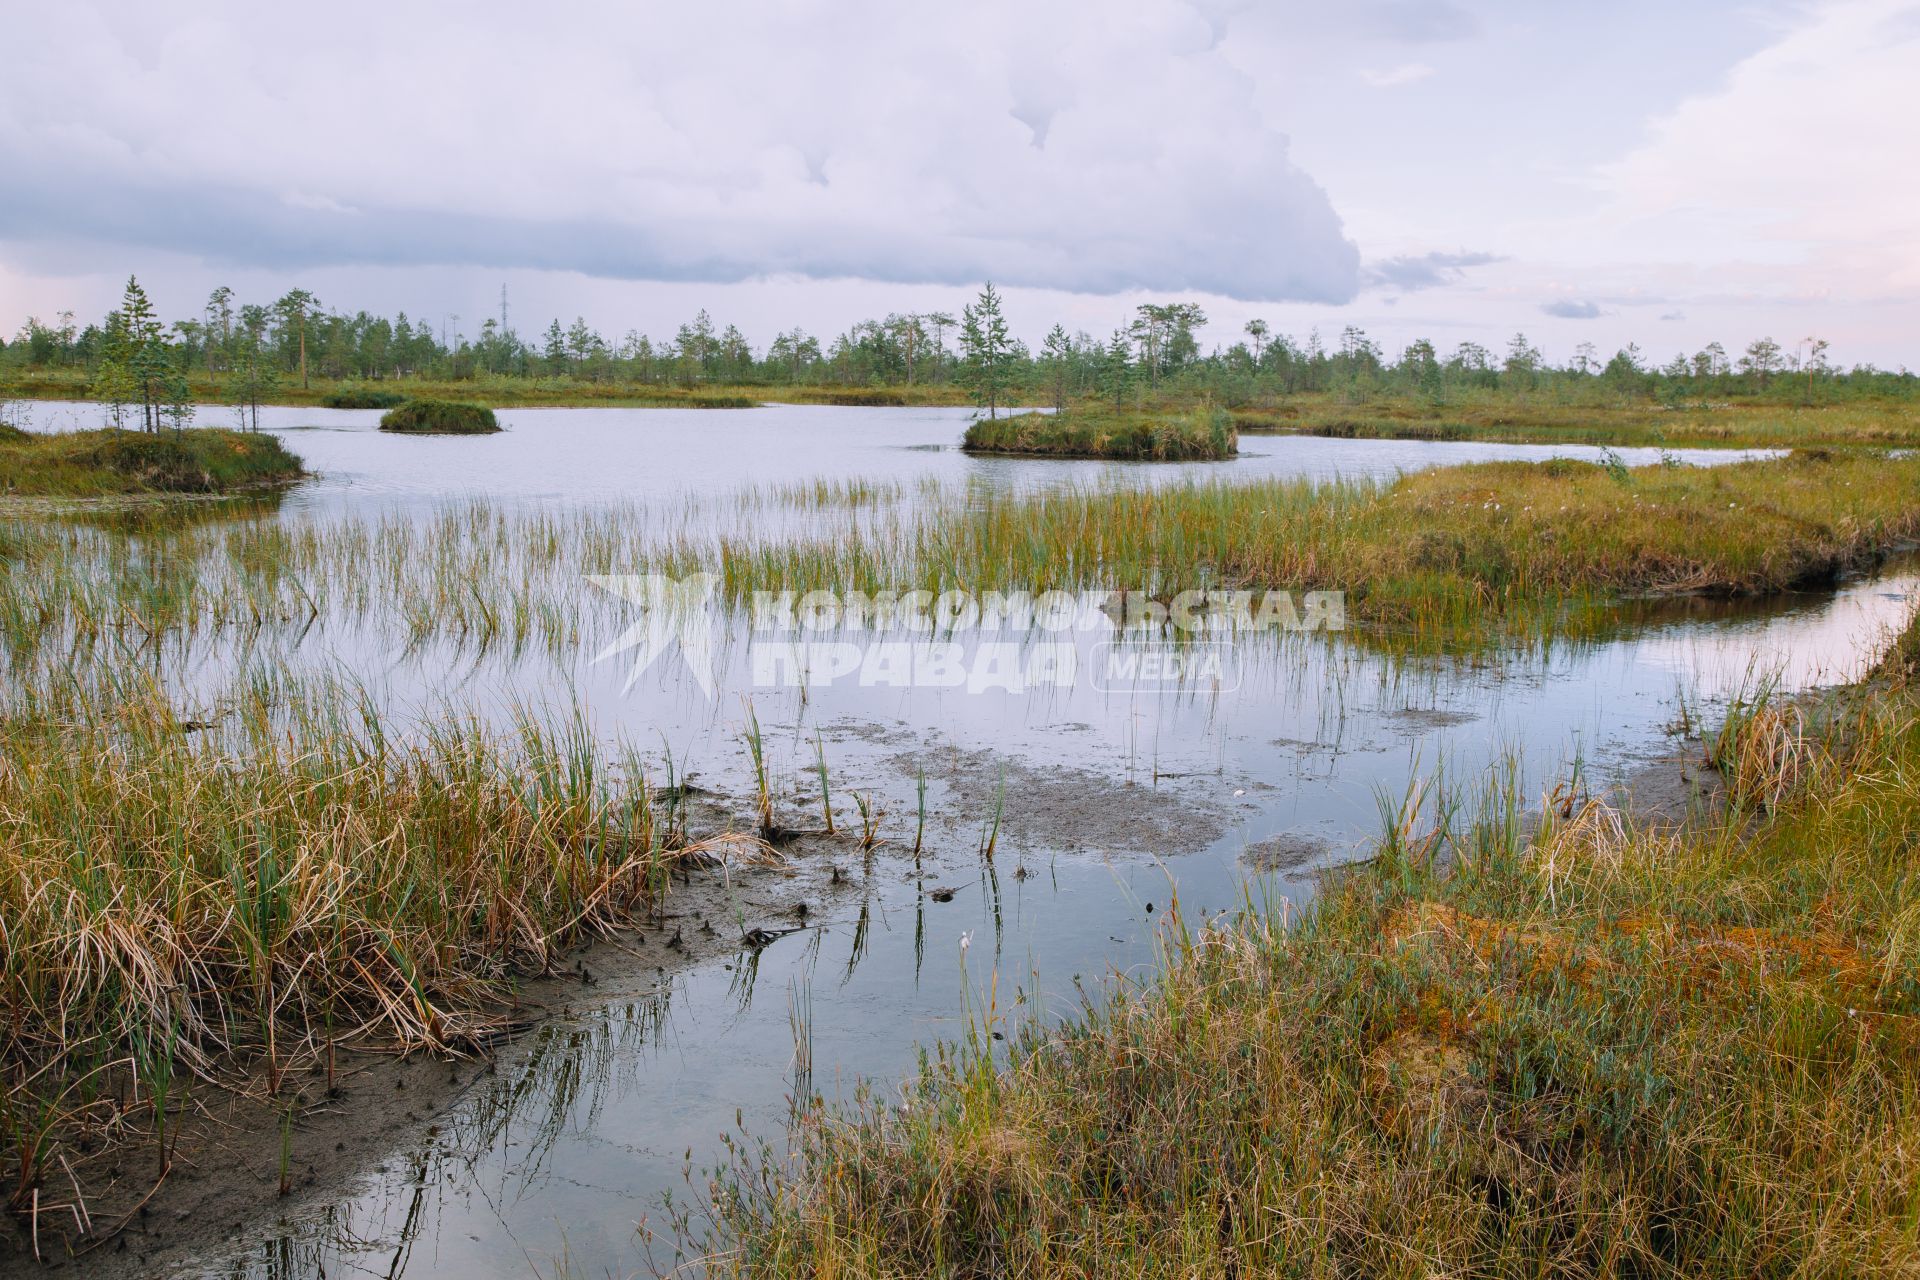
[585, 456]
[1219, 789]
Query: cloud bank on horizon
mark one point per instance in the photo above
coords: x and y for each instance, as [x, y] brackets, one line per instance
[1048, 146]
[1440, 167]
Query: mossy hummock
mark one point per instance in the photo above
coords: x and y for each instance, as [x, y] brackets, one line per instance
[440, 418]
[1202, 435]
[85, 464]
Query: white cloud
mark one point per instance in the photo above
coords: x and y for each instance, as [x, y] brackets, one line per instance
[1407, 73]
[1802, 160]
[1060, 147]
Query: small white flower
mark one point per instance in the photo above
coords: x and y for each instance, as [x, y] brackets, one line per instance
[966, 940]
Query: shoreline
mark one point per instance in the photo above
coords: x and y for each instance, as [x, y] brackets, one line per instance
[386, 1107]
[224, 1188]
[1667, 999]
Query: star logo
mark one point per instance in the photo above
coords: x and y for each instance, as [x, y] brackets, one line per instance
[671, 609]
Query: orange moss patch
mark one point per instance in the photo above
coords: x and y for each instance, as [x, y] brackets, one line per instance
[1488, 939]
[1698, 951]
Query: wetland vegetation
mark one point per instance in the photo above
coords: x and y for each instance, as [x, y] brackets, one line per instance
[1590, 1043]
[98, 464]
[440, 418]
[1197, 436]
[1552, 1035]
[1156, 362]
[1467, 554]
[352, 397]
[204, 906]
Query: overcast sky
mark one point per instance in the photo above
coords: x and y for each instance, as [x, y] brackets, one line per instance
[1458, 169]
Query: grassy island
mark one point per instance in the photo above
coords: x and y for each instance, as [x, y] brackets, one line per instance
[440, 418]
[1198, 435]
[90, 464]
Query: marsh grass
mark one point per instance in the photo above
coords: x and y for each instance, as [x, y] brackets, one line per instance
[362, 398]
[1196, 435]
[89, 464]
[1481, 554]
[1584, 1048]
[1540, 419]
[869, 397]
[188, 904]
[440, 418]
[529, 392]
[1514, 550]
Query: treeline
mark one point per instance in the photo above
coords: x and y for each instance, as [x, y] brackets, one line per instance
[253, 348]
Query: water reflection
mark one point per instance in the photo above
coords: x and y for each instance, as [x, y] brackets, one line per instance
[572, 1150]
[587, 457]
[1053, 824]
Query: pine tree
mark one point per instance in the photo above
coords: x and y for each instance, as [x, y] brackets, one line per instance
[112, 383]
[985, 349]
[1057, 350]
[145, 360]
[293, 310]
[253, 380]
[1116, 368]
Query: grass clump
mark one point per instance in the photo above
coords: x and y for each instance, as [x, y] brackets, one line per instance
[440, 418]
[1201, 435]
[1515, 548]
[1482, 554]
[106, 463]
[1595, 1049]
[204, 902]
[362, 398]
[1549, 419]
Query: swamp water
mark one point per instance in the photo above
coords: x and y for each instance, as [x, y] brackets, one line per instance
[1099, 802]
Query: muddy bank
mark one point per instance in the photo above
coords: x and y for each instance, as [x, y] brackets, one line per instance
[225, 1181]
[224, 1186]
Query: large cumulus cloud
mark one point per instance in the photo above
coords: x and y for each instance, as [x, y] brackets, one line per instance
[1083, 145]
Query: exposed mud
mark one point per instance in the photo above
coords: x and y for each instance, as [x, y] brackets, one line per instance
[225, 1180]
[1067, 810]
[1288, 852]
[1676, 790]
[1418, 720]
[226, 1173]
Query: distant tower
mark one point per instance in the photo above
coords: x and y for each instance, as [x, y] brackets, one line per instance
[503, 310]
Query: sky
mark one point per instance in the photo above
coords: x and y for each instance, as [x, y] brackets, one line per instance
[1458, 170]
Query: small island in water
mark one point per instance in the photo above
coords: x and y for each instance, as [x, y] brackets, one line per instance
[114, 463]
[1196, 435]
[440, 418]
